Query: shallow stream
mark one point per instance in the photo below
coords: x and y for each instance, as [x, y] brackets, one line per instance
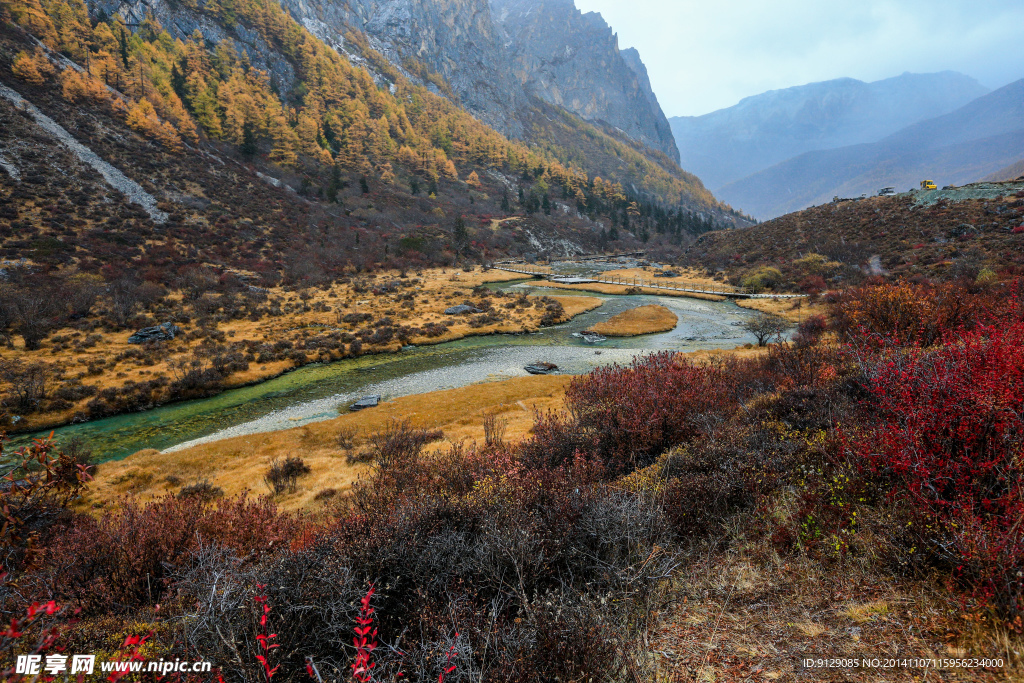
[316, 392]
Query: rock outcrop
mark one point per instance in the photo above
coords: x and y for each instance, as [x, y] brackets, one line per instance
[461, 309]
[452, 38]
[162, 332]
[572, 60]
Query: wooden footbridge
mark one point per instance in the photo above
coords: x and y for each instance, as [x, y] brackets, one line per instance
[672, 284]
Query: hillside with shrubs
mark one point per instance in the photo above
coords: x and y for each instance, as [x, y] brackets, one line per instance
[847, 242]
[879, 452]
[340, 124]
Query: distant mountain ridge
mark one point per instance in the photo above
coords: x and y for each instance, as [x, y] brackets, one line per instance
[763, 130]
[963, 146]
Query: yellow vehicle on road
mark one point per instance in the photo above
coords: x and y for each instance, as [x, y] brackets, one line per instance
[928, 185]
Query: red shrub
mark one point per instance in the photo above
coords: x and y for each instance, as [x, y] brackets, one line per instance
[121, 558]
[809, 332]
[812, 284]
[904, 313]
[626, 416]
[949, 435]
[365, 640]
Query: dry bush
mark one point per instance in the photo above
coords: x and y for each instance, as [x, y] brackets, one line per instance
[120, 561]
[27, 384]
[399, 444]
[765, 327]
[346, 439]
[810, 331]
[202, 491]
[494, 431]
[283, 476]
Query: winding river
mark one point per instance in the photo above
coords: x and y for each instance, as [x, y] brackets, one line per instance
[316, 392]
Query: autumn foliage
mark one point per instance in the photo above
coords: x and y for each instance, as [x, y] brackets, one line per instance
[174, 89]
[905, 313]
[549, 553]
[625, 417]
[948, 441]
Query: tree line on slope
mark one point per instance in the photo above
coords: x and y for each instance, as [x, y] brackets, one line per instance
[334, 113]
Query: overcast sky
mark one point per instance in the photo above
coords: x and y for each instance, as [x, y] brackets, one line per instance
[704, 55]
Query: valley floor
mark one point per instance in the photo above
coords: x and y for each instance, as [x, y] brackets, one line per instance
[736, 610]
[236, 464]
[92, 371]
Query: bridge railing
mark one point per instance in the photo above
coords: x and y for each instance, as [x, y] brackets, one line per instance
[675, 285]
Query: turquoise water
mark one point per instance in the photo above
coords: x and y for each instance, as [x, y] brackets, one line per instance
[316, 392]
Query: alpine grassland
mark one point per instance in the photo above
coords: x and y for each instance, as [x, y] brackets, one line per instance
[885, 447]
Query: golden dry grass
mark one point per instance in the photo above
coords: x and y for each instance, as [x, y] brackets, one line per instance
[704, 356]
[742, 612]
[636, 321]
[574, 305]
[238, 463]
[434, 290]
[793, 310]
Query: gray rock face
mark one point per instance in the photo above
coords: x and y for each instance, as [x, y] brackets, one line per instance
[498, 54]
[366, 402]
[454, 38]
[162, 332]
[541, 368]
[572, 60]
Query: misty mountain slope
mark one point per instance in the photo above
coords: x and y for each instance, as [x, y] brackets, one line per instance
[763, 130]
[572, 60]
[962, 146]
[1011, 172]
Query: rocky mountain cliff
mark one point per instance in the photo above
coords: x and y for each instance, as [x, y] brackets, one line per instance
[572, 60]
[453, 39]
[763, 130]
[493, 58]
[497, 56]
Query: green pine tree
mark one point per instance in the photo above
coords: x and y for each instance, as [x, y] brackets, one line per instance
[248, 147]
[460, 236]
